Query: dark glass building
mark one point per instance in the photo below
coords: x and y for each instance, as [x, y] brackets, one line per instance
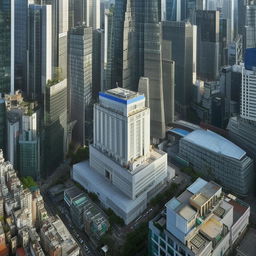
[208, 28]
[2, 124]
[181, 37]
[80, 79]
[5, 46]
[54, 134]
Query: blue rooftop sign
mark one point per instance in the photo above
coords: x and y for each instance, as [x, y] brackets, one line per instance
[120, 100]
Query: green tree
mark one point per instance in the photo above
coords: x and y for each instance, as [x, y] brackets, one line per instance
[136, 241]
[81, 154]
[28, 182]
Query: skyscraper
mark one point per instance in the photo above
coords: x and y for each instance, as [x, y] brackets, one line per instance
[13, 129]
[182, 39]
[208, 28]
[21, 42]
[80, 79]
[124, 170]
[242, 128]
[54, 134]
[7, 46]
[63, 15]
[129, 72]
[175, 10]
[153, 67]
[250, 25]
[93, 13]
[248, 103]
[108, 51]
[97, 62]
[2, 124]
[39, 50]
[29, 145]
[138, 52]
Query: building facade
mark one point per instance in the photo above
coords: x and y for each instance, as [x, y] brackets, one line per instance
[217, 158]
[54, 134]
[199, 222]
[29, 146]
[208, 29]
[182, 39]
[7, 46]
[80, 79]
[248, 108]
[121, 159]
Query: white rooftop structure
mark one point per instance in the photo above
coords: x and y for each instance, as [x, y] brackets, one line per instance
[197, 186]
[108, 194]
[215, 143]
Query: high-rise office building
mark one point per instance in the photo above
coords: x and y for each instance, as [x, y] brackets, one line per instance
[153, 67]
[125, 171]
[21, 43]
[129, 73]
[182, 39]
[39, 50]
[80, 79]
[76, 13]
[85, 12]
[241, 11]
[7, 16]
[230, 85]
[54, 135]
[128, 44]
[97, 62]
[242, 128]
[13, 130]
[208, 28]
[175, 10]
[2, 124]
[63, 25]
[108, 51]
[138, 52]
[22, 134]
[28, 146]
[250, 25]
[248, 103]
[93, 13]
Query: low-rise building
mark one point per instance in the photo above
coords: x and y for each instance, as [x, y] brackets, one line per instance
[56, 239]
[84, 213]
[24, 211]
[202, 221]
[219, 159]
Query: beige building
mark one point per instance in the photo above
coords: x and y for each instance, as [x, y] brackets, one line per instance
[202, 221]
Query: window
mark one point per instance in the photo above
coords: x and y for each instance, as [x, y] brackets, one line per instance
[154, 247]
[107, 175]
[155, 237]
[170, 242]
[162, 243]
[170, 251]
[162, 252]
[182, 252]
